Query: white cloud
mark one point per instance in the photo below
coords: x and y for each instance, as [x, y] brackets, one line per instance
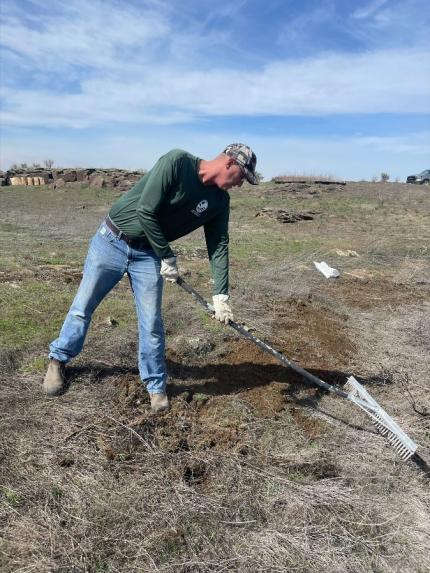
[369, 9]
[83, 64]
[329, 84]
[85, 35]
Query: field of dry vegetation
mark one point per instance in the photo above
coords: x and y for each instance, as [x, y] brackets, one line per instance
[252, 470]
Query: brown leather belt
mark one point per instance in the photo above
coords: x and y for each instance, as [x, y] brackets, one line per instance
[119, 233]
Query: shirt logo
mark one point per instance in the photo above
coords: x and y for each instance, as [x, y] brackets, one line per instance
[200, 208]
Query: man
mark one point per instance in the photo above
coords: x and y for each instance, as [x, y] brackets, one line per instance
[178, 195]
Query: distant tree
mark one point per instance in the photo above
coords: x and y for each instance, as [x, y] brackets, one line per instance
[24, 166]
[48, 163]
[384, 177]
[374, 179]
[259, 176]
[36, 165]
[14, 166]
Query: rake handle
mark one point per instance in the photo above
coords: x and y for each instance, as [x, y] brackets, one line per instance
[263, 345]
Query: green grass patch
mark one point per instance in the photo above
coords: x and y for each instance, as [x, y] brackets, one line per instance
[209, 322]
[270, 245]
[345, 205]
[12, 497]
[34, 365]
[22, 250]
[32, 313]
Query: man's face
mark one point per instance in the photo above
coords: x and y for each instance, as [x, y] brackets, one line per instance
[231, 175]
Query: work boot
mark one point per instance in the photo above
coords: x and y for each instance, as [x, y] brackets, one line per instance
[53, 384]
[159, 402]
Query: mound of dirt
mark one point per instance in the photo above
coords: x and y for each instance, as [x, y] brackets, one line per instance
[284, 216]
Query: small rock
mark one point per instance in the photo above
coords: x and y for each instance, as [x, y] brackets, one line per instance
[347, 253]
[192, 345]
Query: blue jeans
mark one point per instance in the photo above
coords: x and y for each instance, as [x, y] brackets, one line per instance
[107, 261]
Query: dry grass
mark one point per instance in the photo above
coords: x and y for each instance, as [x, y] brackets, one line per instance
[110, 488]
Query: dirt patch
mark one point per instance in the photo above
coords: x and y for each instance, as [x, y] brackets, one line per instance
[62, 273]
[284, 216]
[311, 334]
[217, 410]
[366, 291]
[198, 421]
[192, 424]
[313, 470]
[15, 275]
[312, 427]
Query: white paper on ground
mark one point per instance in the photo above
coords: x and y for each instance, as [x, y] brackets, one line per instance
[327, 271]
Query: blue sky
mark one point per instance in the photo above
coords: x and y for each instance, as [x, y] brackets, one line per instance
[323, 87]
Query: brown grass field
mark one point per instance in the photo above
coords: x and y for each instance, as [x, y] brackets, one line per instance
[253, 469]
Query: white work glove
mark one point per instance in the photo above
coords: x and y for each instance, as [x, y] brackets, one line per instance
[169, 270]
[223, 312]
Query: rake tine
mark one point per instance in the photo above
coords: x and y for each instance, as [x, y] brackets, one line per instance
[385, 425]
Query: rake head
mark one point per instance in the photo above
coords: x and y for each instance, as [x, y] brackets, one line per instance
[385, 425]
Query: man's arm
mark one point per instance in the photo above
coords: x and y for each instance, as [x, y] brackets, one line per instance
[217, 239]
[161, 178]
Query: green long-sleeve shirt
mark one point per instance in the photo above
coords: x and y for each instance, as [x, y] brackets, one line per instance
[169, 202]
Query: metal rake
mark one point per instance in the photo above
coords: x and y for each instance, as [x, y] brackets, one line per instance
[355, 393]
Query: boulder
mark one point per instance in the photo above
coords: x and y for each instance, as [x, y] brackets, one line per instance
[117, 178]
[98, 181]
[69, 176]
[84, 174]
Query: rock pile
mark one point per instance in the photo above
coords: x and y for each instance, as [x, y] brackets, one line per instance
[284, 216]
[315, 180]
[117, 178]
[302, 189]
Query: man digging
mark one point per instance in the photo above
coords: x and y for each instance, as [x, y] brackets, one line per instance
[178, 195]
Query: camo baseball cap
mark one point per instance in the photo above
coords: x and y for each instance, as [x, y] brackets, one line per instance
[245, 158]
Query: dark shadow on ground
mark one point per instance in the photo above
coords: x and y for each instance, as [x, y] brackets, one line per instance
[221, 379]
[216, 379]
[421, 464]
